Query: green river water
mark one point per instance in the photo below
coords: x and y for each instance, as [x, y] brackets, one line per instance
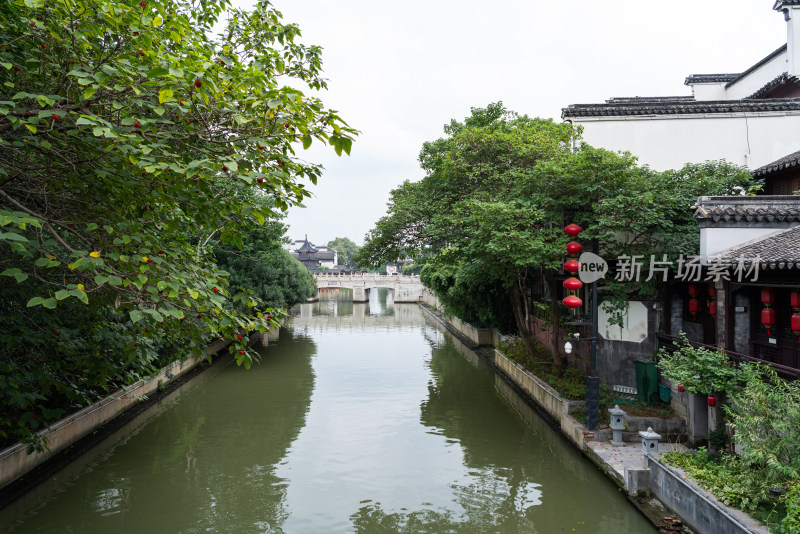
[362, 418]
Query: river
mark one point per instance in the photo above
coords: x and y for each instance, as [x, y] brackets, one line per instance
[362, 418]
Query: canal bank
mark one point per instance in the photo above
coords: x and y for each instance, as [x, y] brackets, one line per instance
[661, 492]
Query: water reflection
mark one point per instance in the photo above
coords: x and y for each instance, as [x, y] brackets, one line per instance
[205, 461]
[364, 417]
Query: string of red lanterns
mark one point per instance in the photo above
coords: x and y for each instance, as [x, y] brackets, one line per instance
[573, 266]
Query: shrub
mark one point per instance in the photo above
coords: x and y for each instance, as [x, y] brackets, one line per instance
[791, 499]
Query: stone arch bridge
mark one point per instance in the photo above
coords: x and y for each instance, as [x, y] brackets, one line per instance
[406, 288]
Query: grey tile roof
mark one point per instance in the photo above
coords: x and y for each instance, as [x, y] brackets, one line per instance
[779, 250]
[780, 3]
[307, 247]
[710, 78]
[678, 106]
[761, 208]
[786, 162]
[649, 99]
[774, 83]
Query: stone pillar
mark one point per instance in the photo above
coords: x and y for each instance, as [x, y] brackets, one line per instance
[697, 417]
[360, 294]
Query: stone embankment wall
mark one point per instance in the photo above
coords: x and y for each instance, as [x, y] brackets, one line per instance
[478, 337]
[15, 460]
[697, 507]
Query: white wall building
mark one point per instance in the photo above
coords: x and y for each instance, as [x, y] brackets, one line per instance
[750, 118]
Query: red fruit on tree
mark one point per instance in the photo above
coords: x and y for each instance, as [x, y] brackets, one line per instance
[241, 352]
[149, 260]
[135, 33]
[224, 168]
[160, 251]
[142, 4]
[32, 24]
[16, 69]
[198, 84]
[239, 336]
[260, 180]
[216, 290]
[136, 124]
[141, 52]
[55, 117]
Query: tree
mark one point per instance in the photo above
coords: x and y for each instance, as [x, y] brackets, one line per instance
[131, 141]
[345, 249]
[496, 194]
[265, 270]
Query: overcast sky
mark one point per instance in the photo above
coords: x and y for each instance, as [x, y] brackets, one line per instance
[399, 71]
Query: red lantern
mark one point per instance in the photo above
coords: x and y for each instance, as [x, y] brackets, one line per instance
[574, 248]
[794, 299]
[573, 284]
[694, 306]
[572, 266]
[693, 291]
[796, 325]
[712, 400]
[572, 302]
[572, 230]
[712, 308]
[768, 318]
[767, 296]
[712, 292]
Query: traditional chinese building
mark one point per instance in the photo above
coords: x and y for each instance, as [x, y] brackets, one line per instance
[749, 118]
[313, 257]
[749, 290]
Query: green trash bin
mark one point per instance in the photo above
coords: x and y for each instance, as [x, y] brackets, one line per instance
[647, 381]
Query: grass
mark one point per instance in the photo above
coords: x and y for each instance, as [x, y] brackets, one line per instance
[569, 382]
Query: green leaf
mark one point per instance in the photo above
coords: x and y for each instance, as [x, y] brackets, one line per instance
[62, 294]
[35, 301]
[100, 279]
[30, 127]
[165, 94]
[306, 141]
[50, 303]
[194, 294]
[17, 273]
[136, 316]
[81, 295]
[11, 236]
[158, 71]
[90, 91]
[115, 280]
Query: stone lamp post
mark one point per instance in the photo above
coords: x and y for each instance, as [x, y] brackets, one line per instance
[617, 425]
